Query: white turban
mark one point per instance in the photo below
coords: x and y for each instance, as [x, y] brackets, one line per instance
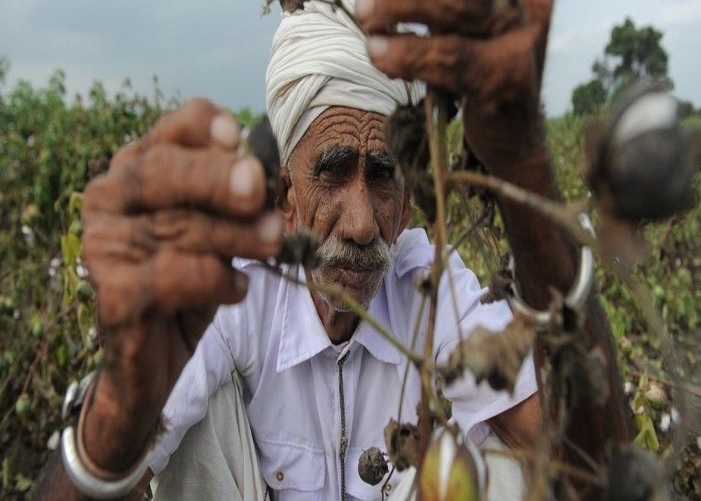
[318, 59]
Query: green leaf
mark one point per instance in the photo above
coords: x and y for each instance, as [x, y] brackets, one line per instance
[22, 483]
[647, 437]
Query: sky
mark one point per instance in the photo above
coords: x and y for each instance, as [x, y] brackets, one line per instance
[219, 48]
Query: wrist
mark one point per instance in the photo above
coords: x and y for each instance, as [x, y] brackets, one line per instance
[110, 471]
[112, 433]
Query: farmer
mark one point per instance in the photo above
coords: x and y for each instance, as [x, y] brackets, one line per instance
[314, 384]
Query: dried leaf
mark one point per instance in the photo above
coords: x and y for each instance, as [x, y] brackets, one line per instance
[493, 356]
[402, 441]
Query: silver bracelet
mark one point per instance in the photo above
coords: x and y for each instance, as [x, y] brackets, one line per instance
[89, 484]
[75, 463]
[577, 295]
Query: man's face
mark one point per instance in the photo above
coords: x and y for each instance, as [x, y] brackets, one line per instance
[343, 187]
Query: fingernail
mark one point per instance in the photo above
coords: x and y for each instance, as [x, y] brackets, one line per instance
[242, 182]
[363, 8]
[270, 228]
[224, 130]
[377, 46]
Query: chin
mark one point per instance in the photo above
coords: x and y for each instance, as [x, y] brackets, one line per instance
[362, 295]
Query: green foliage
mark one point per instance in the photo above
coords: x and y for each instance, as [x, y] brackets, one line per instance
[245, 117]
[672, 273]
[630, 54]
[638, 51]
[587, 99]
[48, 334]
[49, 149]
[686, 109]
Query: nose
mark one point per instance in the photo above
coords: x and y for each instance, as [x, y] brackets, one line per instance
[357, 222]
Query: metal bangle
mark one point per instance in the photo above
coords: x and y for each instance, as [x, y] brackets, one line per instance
[577, 295]
[87, 477]
[88, 483]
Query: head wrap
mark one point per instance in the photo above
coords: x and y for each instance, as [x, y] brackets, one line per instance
[318, 59]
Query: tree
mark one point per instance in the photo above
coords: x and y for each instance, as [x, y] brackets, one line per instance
[686, 109]
[588, 98]
[639, 51]
[630, 54]
[4, 69]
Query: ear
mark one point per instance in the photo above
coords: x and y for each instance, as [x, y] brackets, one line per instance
[286, 201]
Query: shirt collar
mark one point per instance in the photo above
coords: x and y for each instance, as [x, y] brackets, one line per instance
[372, 340]
[303, 335]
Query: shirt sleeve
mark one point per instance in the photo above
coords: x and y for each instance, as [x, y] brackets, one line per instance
[473, 404]
[209, 368]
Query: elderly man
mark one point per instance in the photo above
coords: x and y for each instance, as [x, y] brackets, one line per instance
[319, 386]
[316, 384]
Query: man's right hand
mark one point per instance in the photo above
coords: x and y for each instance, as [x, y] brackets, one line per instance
[161, 228]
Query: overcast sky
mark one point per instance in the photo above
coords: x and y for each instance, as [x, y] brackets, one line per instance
[219, 48]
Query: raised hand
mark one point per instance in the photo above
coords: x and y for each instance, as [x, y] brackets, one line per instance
[488, 52]
[161, 228]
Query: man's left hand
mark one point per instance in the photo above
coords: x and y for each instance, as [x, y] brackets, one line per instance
[488, 52]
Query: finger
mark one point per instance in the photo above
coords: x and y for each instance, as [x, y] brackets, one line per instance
[168, 282]
[201, 233]
[440, 61]
[467, 17]
[225, 131]
[191, 125]
[459, 64]
[136, 239]
[168, 176]
[182, 280]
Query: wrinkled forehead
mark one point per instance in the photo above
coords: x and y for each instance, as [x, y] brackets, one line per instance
[341, 128]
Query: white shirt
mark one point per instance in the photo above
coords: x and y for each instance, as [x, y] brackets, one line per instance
[290, 372]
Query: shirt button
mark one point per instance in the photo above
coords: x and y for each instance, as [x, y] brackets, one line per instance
[388, 487]
[280, 476]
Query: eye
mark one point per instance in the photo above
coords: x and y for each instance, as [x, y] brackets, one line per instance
[380, 169]
[381, 173]
[331, 170]
[334, 164]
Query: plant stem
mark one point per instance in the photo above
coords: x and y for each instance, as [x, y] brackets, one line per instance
[688, 388]
[563, 215]
[437, 134]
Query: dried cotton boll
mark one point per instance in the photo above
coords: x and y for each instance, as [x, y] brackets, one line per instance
[641, 166]
[260, 142]
[407, 139]
[635, 475]
[372, 466]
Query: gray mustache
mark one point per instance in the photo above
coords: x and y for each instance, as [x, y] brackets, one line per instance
[345, 254]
